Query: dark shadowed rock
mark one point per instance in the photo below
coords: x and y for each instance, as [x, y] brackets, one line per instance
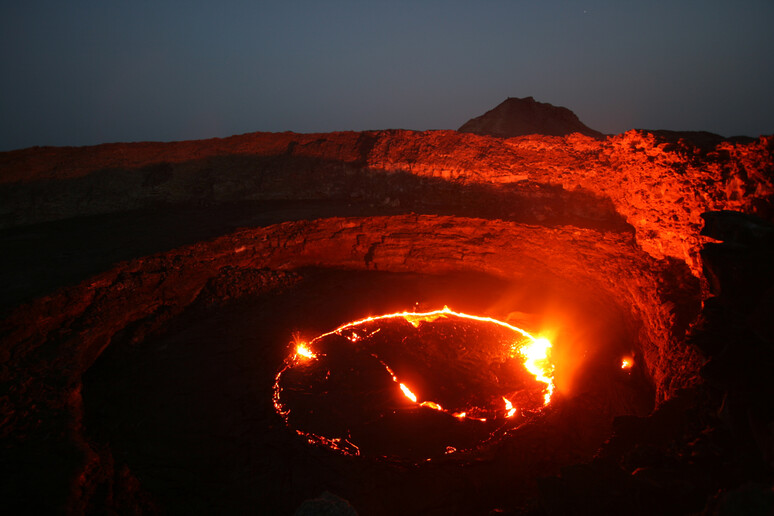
[520, 117]
[327, 504]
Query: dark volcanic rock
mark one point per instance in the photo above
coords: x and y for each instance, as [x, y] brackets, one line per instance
[608, 225]
[657, 187]
[520, 117]
[709, 448]
[49, 345]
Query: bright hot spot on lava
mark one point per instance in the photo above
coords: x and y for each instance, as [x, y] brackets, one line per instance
[413, 386]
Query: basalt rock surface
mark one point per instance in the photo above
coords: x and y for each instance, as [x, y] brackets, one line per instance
[658, 187]
[615, 222]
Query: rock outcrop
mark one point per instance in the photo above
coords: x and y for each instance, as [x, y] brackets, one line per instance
[617, 220]
[522, 117]
[658, 187]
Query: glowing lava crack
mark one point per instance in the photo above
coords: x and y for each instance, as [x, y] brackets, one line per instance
[413, 386]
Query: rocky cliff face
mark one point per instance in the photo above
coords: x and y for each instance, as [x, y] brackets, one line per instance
[658, 187]
[521, 117]
[615, 222]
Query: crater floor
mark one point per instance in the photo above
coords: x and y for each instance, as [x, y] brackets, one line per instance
[190, 410]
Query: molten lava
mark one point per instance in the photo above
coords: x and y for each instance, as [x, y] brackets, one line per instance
[303, 351]
[410, 395]
[366, 386]
[510, 409]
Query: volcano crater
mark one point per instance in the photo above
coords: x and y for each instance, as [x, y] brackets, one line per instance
[192, 390]
[148, 385]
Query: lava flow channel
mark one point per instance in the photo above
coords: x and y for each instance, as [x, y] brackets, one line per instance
[414, 385]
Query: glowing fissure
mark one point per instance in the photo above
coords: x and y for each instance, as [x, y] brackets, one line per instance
[510, 410]
[303, 351]
[407, 392]
[535, 356]
[415, 318]
[536, 353]
[537, 362]
[532, 352]
[337, 443]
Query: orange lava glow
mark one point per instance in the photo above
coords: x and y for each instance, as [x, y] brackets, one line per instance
[510, 410]
[303, 351]
[536, 353]
[407, 392]
[533, 352]
[537, 362]
[432, 405]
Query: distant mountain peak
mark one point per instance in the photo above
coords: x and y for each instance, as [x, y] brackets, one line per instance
[519, 117]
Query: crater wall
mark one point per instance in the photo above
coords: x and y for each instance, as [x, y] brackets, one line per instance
[656, 185]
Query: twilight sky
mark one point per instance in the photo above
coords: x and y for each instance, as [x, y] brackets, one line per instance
[81, 72]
